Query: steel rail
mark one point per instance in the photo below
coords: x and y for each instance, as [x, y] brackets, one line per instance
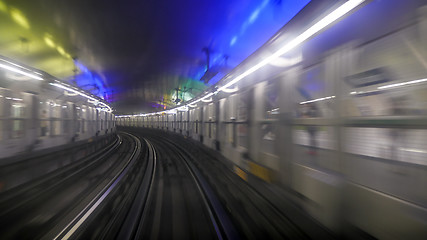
[81, 218]
[222, 225]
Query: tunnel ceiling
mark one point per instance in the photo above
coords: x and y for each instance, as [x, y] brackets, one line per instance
[135, 53]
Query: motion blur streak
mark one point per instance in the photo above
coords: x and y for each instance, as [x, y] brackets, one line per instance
[344, 129]
[20, 72]
[330, 18]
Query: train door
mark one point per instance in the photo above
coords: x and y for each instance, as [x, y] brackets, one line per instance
[264, 128]
[198, 124]
[242, 122]
[44, 116]
[179, 119]
[79, 121]
[162, 121]
[30, 122]
[98, 122]
[190, 122]
[228, 127]
[15, 113]
[174, 122]
[84, 121]
[185, 123]
[209, 124]
[140, 121]
[314, 150]
[89, 121]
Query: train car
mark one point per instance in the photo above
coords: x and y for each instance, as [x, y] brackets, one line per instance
[40, 112]
[339, 121]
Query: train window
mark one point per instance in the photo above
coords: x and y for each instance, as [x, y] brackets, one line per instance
[79, 118]
[314, 98]
[242, 118]
[55, 118]
[268, 138]
[66, 117]
[268, 129]
[44, 119]
[197, 120]
[88, 119]
[185, 121]
[230, 133]
[314, 93]
[107, 121]
[83, 118]
[92, 119]
[207, 119]
[387, 78]
[228, 108]
[271, 101]
[17, 118]
[191, 126]
[212, 120]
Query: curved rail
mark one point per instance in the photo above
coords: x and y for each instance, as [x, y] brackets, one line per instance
[220, 222]
[21, 195]
[80, 219]
[132, 226]
[237, 209]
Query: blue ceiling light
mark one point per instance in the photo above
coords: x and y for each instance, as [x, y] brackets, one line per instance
[233, 40]
[308, 33]
[247, 29]
[90, 81]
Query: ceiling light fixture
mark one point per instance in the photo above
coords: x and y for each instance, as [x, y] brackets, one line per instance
[206, 100]
[230, 90]
[403, 83]
[316, 100]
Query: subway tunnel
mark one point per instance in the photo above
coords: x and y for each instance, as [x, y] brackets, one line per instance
[270, 119]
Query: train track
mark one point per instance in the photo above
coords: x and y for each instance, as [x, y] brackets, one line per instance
[147, 186]
[179, 203]
[77, 225]
[60, 204]
[251, 214]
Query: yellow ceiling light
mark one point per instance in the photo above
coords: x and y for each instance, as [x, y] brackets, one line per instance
[60, 50]
[3, 7]
[19, 18]
[48, 40]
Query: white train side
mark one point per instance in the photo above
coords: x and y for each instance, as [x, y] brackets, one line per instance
[36, 115]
